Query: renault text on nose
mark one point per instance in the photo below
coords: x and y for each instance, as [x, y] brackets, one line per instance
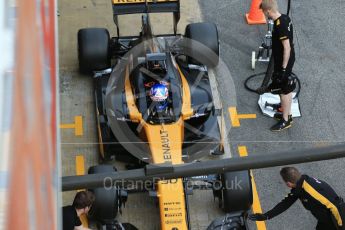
[165, 146]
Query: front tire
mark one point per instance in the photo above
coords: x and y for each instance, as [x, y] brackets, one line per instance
[93, 49]
[203, 46]
[105, 207]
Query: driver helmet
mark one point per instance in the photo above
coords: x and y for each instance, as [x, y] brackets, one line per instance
[159, 94]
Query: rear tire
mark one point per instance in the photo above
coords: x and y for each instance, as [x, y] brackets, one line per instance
[207, 52]
[93, 49]
[105, 207]
[236, 194]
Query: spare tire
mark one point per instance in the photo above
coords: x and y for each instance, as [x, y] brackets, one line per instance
[203, 44]
[93, 49]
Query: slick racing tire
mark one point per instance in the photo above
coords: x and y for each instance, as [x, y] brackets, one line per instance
[93, 49]
[105, 207]
[203, 46]
[236, 191]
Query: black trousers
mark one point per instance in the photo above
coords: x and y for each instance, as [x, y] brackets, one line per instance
[325, 226]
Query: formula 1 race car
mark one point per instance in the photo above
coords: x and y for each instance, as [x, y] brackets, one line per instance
[154, 105]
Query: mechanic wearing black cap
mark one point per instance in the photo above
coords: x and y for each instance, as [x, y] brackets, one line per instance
[283, 83]
[316, 196]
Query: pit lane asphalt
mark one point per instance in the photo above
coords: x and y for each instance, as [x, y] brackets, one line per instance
[320, 50]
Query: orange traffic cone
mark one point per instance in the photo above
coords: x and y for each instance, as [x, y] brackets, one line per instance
[255, 15]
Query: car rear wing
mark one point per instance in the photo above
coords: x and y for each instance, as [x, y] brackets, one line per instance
[121, 7]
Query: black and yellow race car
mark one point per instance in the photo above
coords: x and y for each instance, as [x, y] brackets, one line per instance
[154, 105]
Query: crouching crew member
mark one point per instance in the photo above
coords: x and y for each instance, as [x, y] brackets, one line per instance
[316, 196]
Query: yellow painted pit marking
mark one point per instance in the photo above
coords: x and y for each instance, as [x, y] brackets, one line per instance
[77, 126]
[80, 165]
[256, 200]
[235, 117]
[80, 170]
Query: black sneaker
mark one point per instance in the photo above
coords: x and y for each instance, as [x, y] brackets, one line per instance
[279, 116]
[281, 125]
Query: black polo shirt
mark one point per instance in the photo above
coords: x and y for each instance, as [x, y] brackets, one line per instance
[317, 197]
[282, 30]
[70, 218]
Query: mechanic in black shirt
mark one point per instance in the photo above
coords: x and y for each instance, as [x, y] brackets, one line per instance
[283, 53]
[316, 196]
[81, 205]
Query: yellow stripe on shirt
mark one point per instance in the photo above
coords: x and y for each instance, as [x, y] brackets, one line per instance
[323, 200]
[282, 38]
